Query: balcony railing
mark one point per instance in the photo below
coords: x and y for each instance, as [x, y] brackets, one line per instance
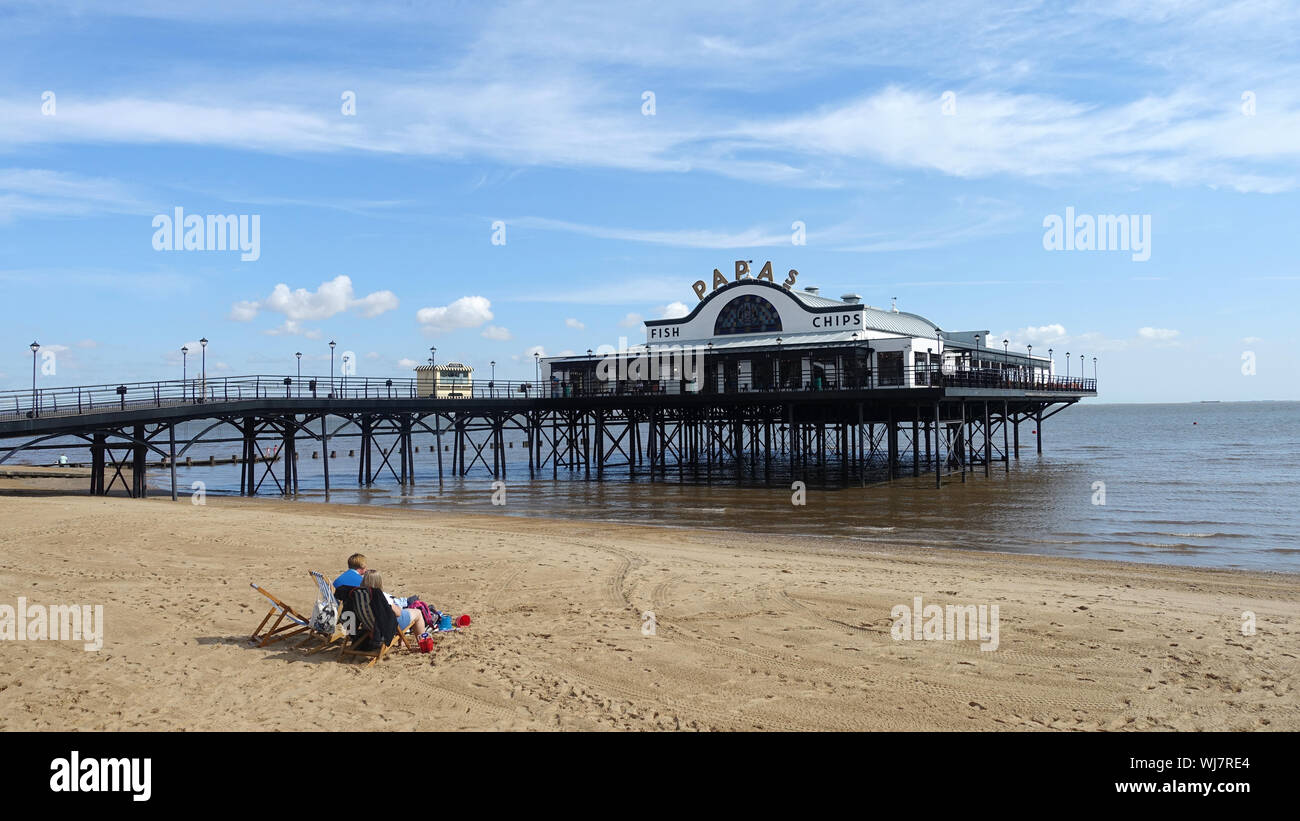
[84, 399]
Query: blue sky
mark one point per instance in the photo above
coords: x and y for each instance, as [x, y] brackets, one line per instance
[376, 228]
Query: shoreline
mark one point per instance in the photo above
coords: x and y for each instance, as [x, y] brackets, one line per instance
[751, 632]
[49, 482]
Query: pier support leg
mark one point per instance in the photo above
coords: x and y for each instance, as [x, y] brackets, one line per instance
[938, 474]
[1006, 449]
[988, 442]
[916, 451]
[139, 457]
[325, 453]
[171, 456]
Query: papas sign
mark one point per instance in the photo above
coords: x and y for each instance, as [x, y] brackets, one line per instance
[742, 272]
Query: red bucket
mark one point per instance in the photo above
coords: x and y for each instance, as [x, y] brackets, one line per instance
[463, 621]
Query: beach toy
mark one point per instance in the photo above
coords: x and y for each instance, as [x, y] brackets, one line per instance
[463, 621]
[426, 643]
[444, 622]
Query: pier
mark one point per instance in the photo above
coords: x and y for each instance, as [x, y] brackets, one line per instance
[760, 383]
[831, 434]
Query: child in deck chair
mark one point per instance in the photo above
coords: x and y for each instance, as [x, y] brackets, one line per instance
[406, 617]
[352, 576]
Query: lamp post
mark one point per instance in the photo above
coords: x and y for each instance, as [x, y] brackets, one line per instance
[929, 354]
[1031, 361]
[299, 355]
[1067, 364]
[344, 375]
[433, 355]
[332, 343]
[185, 354]
[1080, 366]
[35, 346]
[203, 343]
[493, 383]
[1094, 370]
[537, 369]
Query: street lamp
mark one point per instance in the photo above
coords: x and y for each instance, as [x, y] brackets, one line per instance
[929, 357]
[433, 351]
[1080, 366]
[185, 353]
[537, 368]
[332, 343]
[35, 346]
[299, 355]
[1094, 369]
[1031, 361]
[344, 386]
[203, 343]
[1067, 364]
[493, 363]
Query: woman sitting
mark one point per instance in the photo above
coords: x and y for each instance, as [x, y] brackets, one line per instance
[407, 617]
[372, 619]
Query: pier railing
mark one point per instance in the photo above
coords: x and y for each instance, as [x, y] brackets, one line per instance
[83, 399]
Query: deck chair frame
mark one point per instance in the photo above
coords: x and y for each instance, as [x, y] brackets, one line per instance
[296, 624]
[324, 588]
[346, 650]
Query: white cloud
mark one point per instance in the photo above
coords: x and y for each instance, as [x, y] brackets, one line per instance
[689, 238]
[331, 298]
[466, 312]
[293, 328]
[408, 363]
[497, 333]
[1252, 340]
[632, 320]
[87, 343]
[1041, 335]
[674, 310]
[243, 311]
[575, 324]
[529, 90]
[37, 192]
[1160, 334]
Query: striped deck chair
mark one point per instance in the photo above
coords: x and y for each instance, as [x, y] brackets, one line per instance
[324, 596]
[365, 631]
[288, 622]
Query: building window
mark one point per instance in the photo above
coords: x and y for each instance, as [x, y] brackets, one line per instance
[749, 314]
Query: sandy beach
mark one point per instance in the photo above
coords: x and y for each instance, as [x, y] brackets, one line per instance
[749, 632]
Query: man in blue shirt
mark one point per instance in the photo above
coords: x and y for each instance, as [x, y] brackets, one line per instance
[352, 578]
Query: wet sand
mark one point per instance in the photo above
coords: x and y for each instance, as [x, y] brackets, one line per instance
[771, 633]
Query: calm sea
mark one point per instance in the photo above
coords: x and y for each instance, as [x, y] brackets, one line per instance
[1192, 484]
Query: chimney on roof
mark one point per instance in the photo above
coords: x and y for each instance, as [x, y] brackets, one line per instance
[812, 289]
[852, 299]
